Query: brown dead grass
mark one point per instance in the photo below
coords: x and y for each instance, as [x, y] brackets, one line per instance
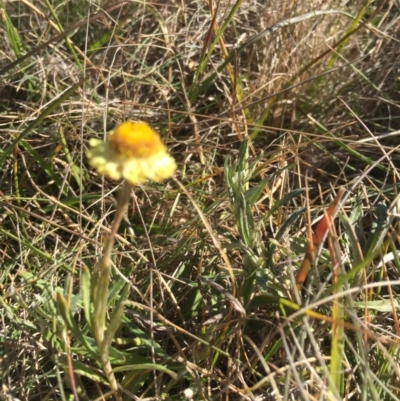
[140, 60]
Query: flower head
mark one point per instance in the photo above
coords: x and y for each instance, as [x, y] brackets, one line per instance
[133, 151]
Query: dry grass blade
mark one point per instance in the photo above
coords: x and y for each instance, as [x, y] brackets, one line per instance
[268, 108]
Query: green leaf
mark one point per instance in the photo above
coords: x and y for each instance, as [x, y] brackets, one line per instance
[283, 201]
[85, 292]
[379, 228]
[146, 366]
[81, 369]
[288, 223]
[115, 320]
[247, 288]
[245, 221]
[71, 324]
[11, 32]
[253, 194]
[383, 305]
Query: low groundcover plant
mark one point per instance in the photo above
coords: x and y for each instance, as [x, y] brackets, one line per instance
[134, 152]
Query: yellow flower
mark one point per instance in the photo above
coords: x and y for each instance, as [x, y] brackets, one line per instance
[133, 151]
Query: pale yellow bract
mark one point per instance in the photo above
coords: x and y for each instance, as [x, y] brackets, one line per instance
[133, 151]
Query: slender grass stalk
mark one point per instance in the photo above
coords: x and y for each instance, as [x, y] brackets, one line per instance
[337, 337]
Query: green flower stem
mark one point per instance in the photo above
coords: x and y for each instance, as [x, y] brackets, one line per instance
[100, 285]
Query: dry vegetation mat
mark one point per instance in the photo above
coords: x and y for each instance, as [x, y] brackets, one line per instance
[199, 200]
